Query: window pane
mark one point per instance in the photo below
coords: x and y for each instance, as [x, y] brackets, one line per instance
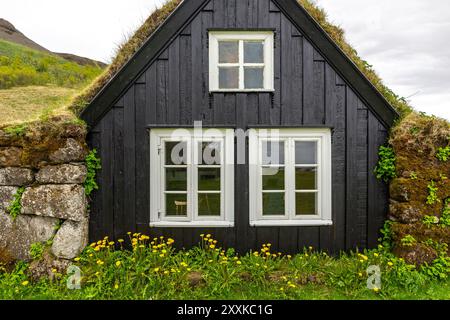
[176, 180]
[305, 152]
[305, 204]
[273, 178]
[208, 179]
[229, 78]
[209, 204]
[254, 52]
[273, 204]
[176, 204]
[253, 78]
[272, 152]
[209, 153]
[228, 52]
[306, 179]
[176, 153]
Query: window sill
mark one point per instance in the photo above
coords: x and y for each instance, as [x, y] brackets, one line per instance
[195, 224]
[242, 91]
[290, 223]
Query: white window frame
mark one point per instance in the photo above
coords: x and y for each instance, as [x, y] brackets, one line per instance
[157, 177]
[241, 36]
[324, 200]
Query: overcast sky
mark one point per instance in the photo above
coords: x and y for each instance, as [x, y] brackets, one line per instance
[405, 40]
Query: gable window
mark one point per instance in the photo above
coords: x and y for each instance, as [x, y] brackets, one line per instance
[240, 61]
[192, 177]
[290, 177]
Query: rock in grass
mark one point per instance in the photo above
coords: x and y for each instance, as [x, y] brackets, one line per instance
[71, 239]
[195, 279]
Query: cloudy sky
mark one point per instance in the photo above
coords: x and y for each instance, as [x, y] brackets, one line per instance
[405, 40]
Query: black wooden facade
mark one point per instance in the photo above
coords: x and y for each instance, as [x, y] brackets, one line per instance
[310, 90]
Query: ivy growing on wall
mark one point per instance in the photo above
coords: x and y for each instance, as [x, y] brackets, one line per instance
[385, 168]
[16, 205]
[93, 164]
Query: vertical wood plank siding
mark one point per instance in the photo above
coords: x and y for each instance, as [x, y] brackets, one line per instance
[308, 92]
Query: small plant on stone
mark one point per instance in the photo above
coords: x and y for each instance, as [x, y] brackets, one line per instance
[385, 168]
[432, 193]
[413, 176]
[408, 241]
[16, 205]
[443, 154]
[430, 221]
[445, 218]
[93, 164]
[37, 251]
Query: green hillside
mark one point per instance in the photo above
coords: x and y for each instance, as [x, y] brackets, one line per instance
[22, 66]
[34, 83]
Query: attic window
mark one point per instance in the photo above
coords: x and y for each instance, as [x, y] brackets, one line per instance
[241, 61]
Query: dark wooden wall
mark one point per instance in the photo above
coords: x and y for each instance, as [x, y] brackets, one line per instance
[308, 92]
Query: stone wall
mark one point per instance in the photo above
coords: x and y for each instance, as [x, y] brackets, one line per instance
[416, 142]
[47, 160]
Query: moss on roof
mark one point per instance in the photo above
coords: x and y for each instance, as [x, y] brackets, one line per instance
[127, 50]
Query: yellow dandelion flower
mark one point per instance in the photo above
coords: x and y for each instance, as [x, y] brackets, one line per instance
[120, 240]
[116, 286]
[376, 255]
[166, 272]
[238, 262]
[212, 246]
[54, 270]
[390, 264]
[156, 269]
[208, 236]
[118, 263]
[25, 283]
[77, 259]
[360, 274]
[289, 256]
[376, 289]
[188, 269]
[202, 235]
[100, 262]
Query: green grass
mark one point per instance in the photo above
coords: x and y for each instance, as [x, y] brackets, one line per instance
[35, 85]
[22, 66]
[25, 104]
[155, 270]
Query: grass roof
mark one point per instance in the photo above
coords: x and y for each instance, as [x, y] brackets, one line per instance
[127, 50]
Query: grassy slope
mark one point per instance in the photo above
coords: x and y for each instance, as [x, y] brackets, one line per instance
[33, 83]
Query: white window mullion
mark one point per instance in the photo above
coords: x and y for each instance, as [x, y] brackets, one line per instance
[241, 64]
[193, 192]
[290, 172]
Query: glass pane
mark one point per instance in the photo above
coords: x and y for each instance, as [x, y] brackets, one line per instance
[273, 204]
[254, 78]
[272, 152]
[273, 178]
[305, 204]
[209, 204]
[253, 52]
[305, 152]
[176, 204]
[208, 179]
[306, 179]
[176, 179]
[228, 52]
[229, 78]
[176, 153]
[209, 153]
